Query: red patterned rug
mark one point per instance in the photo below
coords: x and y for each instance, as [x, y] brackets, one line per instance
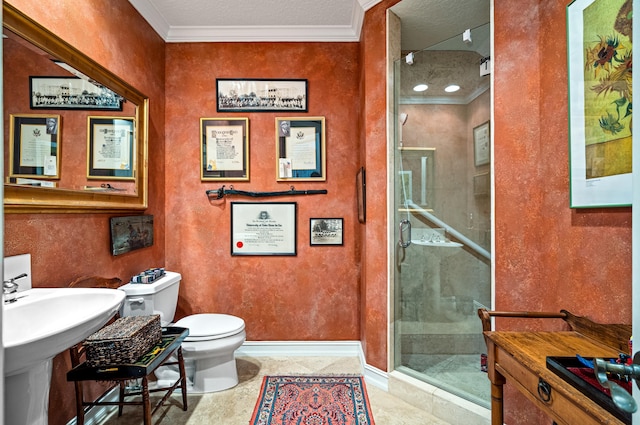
[312, 400]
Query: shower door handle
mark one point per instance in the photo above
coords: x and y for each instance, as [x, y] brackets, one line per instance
[404, 224]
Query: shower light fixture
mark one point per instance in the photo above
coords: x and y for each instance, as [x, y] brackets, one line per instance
[452, 88]
[420, 87]
[409, 58]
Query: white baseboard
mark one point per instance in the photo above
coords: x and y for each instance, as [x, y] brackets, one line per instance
[98, 414]
[300, 348]
[372, 375]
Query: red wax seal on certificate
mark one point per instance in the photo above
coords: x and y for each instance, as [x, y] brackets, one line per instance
[239, 244]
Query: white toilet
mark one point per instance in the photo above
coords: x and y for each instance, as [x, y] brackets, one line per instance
[213, 338]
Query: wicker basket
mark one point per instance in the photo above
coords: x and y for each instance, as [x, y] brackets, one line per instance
[124, 341]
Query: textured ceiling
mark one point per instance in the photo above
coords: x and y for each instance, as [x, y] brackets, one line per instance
[428, 22]
[255, 20]
[424, 22]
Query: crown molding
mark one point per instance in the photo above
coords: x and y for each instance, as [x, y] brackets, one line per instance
[152, 16]
[310, 33]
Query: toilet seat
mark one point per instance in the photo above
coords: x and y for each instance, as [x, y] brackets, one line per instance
[208, 326]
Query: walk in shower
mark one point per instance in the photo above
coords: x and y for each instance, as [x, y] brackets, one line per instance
[442, 213]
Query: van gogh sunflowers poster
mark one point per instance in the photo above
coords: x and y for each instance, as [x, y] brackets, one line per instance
[600, 101]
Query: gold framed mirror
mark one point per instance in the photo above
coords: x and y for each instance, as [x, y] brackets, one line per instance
[71, 184]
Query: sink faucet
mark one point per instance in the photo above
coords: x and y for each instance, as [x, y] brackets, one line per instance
[10, 288]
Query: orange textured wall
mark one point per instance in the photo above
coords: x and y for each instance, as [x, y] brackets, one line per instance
[547, 256]
[313, 295]
[373, 152]
[66, 246]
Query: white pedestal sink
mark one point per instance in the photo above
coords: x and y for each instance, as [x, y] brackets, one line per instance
[435, 252]
[40, 324]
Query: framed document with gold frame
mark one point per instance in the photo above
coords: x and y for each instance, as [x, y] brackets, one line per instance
[300, 149]
[110, 148]
[224, 149]
[35, 146]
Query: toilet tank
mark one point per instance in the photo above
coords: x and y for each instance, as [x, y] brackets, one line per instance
[158, 297]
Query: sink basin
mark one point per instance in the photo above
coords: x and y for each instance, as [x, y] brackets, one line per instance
[439, 244]
[46, 321]
[41, 323]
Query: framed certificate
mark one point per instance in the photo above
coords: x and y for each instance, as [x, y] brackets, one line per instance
[110, 148]
[35, 146]
[224, 149]
[260, 228]
[300, 146]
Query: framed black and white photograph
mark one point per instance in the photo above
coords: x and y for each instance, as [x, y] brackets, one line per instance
[326, 231]
[224, 149]
[300, 149]
[263, 228]
[34, 149]
[261, 95]
[72, 93]
[110, 148]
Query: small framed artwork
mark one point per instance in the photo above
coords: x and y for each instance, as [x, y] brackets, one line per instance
[326, 231]
[111, 148]
[130, 233]
[224, 149]
[35, 146]
[300, 149]
[361, 195]
[261, 95]
[481, 144]
[481, 184]
[600, 56]
[261, 228]
[72, 93]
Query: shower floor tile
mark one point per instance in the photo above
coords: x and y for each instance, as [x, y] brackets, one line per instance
[459, 373]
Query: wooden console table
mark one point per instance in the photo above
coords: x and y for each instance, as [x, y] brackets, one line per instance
[520, 358]
[171, 341]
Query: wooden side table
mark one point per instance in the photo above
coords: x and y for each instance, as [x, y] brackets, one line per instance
[520, 358]
[171, 341]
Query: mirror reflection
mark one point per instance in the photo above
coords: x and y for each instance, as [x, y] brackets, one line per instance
[75, 133]
[65, 130]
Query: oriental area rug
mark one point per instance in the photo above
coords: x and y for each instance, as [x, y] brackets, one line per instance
[312, 400]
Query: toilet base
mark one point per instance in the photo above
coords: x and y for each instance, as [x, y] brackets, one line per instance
[214, 374]
[205, 375]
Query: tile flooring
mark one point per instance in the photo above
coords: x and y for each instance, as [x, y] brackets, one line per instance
[461, 369]
[235, 406]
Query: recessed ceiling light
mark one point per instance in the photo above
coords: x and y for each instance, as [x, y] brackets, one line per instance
[420, 87]
[452, 88]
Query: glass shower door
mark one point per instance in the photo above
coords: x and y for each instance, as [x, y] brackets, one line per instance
[442, 267]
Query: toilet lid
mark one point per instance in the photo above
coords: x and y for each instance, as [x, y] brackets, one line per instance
[210, 326]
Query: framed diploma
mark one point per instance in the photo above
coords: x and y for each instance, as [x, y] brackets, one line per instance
[110, 148]
[260, 228]
[301, 151]
[224, 148]
[481, 144]
[35, 146]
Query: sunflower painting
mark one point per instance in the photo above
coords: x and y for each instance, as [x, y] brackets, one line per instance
[601, 101]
